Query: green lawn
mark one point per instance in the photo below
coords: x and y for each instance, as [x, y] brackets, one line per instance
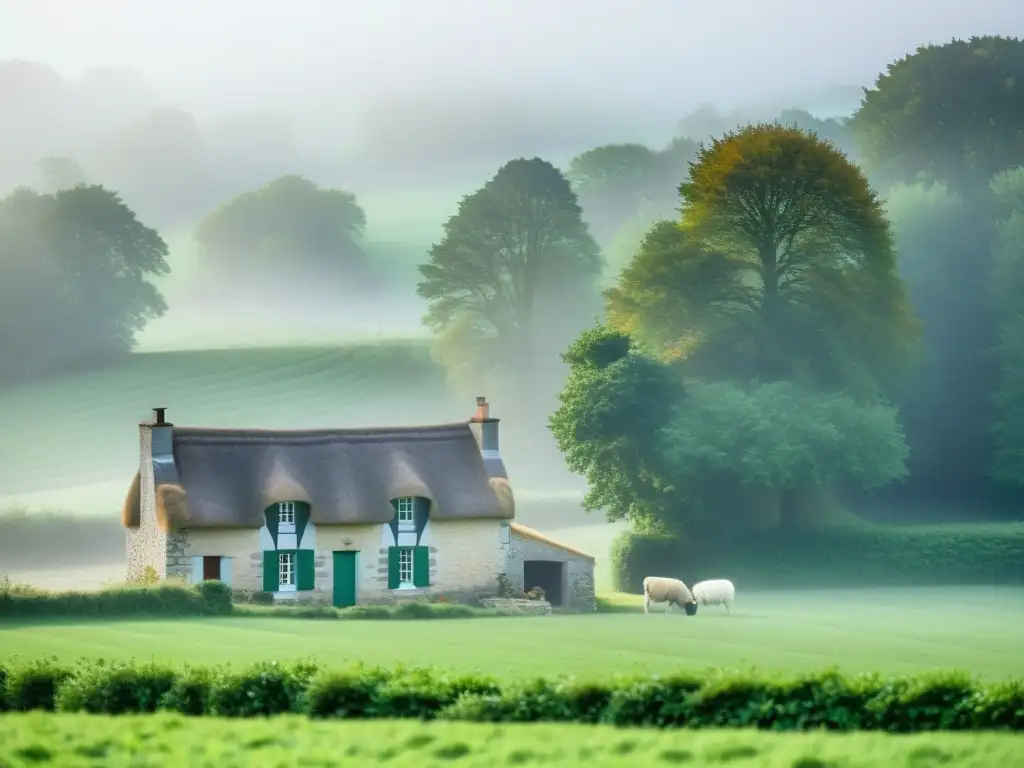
[167, 740]
[889, 631]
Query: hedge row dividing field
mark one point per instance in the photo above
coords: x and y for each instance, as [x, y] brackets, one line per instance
[70, 741]
[826, 700]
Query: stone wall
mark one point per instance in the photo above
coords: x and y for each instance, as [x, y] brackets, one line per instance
[518, 607]
[145, 545]
[579, 570]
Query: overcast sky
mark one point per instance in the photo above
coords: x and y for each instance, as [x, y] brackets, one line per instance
[739, 50]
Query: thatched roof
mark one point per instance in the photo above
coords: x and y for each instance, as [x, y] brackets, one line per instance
[347, 476]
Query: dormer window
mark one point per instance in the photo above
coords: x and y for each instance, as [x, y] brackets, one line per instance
[404, 509]
[286, 513]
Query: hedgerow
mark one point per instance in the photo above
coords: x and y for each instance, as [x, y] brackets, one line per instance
[869, 556]
[948, 701]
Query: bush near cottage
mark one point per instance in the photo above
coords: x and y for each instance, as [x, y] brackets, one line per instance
[868, 556]
[210, 597]
[949, 701]
[43, 739]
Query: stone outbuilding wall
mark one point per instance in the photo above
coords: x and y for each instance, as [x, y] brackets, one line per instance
[556, 567]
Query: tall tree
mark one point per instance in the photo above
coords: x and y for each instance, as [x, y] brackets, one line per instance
[513, 261]
[952, 113]
[619, 182]
[289, 232]
[1006, 289]
[782, 268]
[716, 455]
[75, 279]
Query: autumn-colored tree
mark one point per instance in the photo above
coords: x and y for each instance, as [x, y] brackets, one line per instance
[782, 267]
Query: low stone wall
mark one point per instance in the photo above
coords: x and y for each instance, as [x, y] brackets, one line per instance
[518, 607]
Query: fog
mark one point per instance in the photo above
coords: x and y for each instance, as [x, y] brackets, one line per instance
[409, 106]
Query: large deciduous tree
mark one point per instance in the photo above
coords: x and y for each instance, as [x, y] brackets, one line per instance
[782, 267]
[952, 113]
[1006, 290]
[516, 268]
[713, 455]
[289, 233]
[75, 279]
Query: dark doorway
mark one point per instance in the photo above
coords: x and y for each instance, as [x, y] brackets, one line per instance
[549, 575]
[211, 568]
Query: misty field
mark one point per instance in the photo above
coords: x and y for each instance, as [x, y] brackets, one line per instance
[69, 740]
[892, 631]
[80, 430]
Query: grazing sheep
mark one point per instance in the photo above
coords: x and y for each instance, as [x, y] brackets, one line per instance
[715, 592]
[658, 589]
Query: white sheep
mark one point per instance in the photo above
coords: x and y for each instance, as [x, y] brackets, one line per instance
[659, 589]
[715, 592]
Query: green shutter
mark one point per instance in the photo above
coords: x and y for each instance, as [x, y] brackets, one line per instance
[270, 572]
[301, 518]
[420, 513]
[421, 566]
[304, 578]
[393, 581]
[271, 516]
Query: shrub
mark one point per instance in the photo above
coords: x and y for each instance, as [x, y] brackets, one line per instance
[191, 692]
[34, 685]
[265, 689]
[115, 689]
[420, 610]
[937, 702]
[822, 558]
[161, 600]
[3, 688]
[348, 694]
[217, 595]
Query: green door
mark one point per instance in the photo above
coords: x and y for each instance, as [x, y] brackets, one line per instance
[344, 579]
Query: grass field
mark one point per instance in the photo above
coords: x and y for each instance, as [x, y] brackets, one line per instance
[167, 740]
[889, 631]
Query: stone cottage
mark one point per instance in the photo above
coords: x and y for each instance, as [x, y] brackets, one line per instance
[349, 516]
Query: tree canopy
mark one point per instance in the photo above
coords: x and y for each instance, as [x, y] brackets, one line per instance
[782, 266]
[515, 264]
[1006, 290]
[949, 113]
[75, 278]
[665, 455]
[289, 231]
[616, 182]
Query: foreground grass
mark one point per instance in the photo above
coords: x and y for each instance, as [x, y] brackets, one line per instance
[163, 740]
[893, 632]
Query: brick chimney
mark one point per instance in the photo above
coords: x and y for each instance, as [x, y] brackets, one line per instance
[485, 430]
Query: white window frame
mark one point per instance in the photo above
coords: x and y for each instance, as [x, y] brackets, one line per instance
[406, 568]
[286, 564]
[404, 509]
[286, 513]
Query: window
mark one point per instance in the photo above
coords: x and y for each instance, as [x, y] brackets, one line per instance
[286, 569]
[286, 513]
[408, 567]
[405, 566]
[405, 509]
